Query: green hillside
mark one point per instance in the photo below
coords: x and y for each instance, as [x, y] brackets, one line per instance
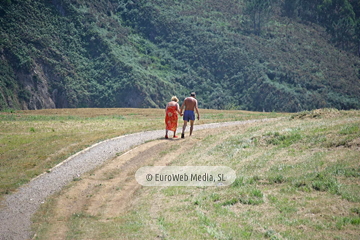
[275, 55]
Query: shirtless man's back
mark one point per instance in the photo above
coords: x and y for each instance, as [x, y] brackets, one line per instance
[190, 104]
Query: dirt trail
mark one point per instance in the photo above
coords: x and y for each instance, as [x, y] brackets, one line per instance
[110, 190]
[105, 191]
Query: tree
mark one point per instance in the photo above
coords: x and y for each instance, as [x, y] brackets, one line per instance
[357, 36]
[339, 19]
[291, 8]
[259, 11]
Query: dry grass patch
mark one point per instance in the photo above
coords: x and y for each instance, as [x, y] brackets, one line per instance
[290, 185]
[34, 141]
[292, 188]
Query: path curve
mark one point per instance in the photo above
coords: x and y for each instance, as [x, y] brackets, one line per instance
[18, 208]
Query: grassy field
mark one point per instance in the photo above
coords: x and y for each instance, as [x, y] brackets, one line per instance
[297, 178]
[34, 141]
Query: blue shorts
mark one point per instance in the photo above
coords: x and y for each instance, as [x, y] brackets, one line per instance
[189, 115]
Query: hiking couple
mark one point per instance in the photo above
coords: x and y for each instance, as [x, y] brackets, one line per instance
[172, 110]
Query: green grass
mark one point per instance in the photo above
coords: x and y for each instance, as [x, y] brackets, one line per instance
[23, 135]
[289, 186]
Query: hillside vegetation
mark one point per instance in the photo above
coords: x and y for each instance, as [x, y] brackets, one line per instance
[275, 55]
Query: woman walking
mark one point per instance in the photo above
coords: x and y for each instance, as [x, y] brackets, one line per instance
[171, 119]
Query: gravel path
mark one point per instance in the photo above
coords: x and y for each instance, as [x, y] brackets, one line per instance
[17, 209]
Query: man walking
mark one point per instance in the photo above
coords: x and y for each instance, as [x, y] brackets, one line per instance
[190, 104]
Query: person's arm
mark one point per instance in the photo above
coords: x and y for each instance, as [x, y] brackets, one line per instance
[197, 110]
[182, 107]
[178, 108]
[166, 107]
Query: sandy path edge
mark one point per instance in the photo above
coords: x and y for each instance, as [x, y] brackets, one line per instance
[15, 216]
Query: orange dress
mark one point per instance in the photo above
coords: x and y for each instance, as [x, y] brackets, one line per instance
[171, 118]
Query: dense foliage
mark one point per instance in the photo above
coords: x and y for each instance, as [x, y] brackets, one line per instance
[236, 54]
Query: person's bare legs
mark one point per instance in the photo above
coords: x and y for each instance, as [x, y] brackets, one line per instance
[183, 129]
[166, 133]
[191, 126]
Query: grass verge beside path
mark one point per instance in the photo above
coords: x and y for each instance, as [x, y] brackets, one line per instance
[297, 178]
[34, 141]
